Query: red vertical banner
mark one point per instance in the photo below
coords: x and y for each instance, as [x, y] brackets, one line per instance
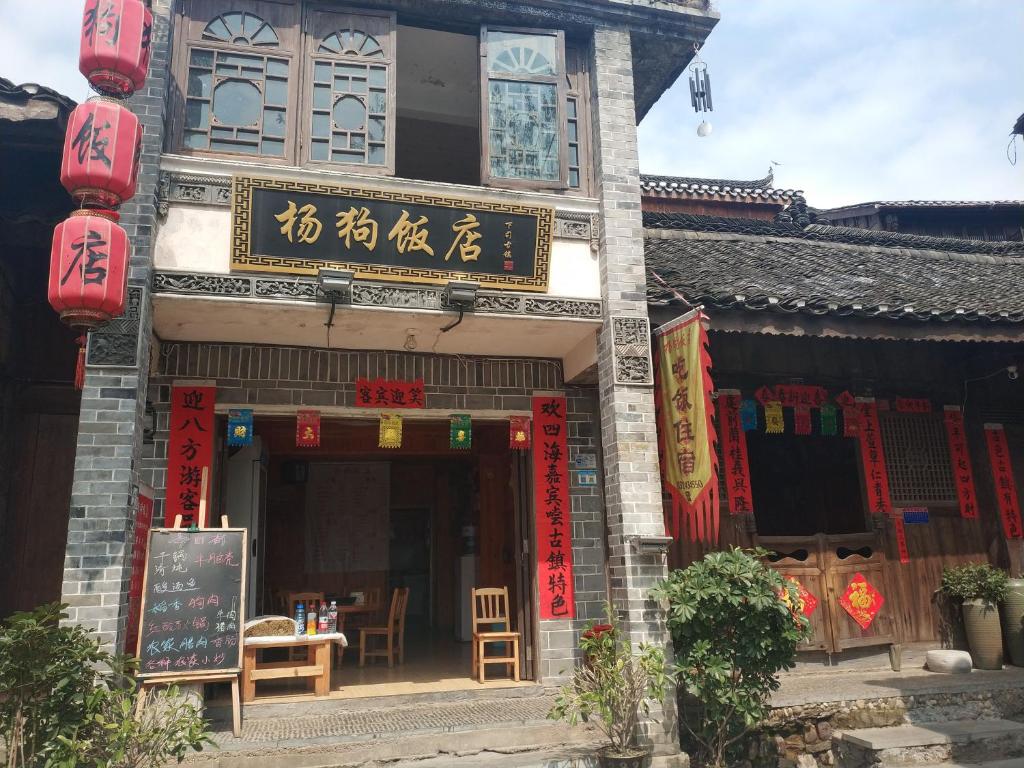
[960, 460]
[1002, 474]
[143, 522]
[734, 453]
[189, 451]
[876, 476]
[551, 505]
[901, 538]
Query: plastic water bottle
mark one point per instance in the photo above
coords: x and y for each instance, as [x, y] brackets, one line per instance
[300, 619]
[332, 617]
[321, 627]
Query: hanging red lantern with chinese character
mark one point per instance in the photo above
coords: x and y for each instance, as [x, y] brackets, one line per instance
[115, 45]
[88, 269]
[101, 149]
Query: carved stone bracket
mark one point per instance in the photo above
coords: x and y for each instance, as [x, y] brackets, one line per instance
[174, 187]
[631, 340]
[117, 342]
[369, 294]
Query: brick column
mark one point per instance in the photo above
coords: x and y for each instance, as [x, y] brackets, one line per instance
[97, 563]
[625, 376]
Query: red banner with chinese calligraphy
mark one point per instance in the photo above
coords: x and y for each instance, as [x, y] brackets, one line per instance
[551, 504]
[390, 393]
[793, 395]
[143, 522]
[307, 429]
[960, 460]
[189, 451]
[802, 419]
[1002, 474]
[876, 476]
[901, 539]
[734, 453]
[686, 433]
[913, 405]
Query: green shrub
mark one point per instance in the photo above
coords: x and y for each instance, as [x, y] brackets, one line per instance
[975, 581]
[68, 704]
[612, 686]
[732, 631]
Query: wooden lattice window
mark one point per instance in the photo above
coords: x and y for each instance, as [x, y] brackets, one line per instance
[237, 71]
[917, 459]
[577, 122]
[350, 94]
[524, 104]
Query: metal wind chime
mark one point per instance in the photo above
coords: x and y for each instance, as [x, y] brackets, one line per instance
[90, 252]
[700, 90]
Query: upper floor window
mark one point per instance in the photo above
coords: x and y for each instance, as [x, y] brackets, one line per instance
[293, 84]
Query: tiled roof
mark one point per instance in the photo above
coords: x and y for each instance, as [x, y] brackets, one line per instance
[879, 204]
[742, 264]
[675, 185]
[28, 91]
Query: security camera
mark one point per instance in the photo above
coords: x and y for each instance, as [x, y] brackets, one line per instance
[1012, 373]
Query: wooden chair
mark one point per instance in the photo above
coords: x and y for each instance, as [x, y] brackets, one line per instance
[490, 610]
[394, 632]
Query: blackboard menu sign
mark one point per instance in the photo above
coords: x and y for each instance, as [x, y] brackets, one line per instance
[192, 602]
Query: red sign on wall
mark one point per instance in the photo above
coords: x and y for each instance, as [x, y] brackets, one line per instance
[189, 451]
[389, 393]
[961, 461]
[734, 453]
[143, 522]
[551, 501]
[1006, 486]
[913, 405]
[901, 539]
[876, 476]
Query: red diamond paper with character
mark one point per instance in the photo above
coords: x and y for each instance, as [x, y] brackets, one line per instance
[862, 601]
[806, 601]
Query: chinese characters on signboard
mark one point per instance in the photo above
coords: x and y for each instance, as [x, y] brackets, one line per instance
[961, 462]
[1002, 474]
[189, 451]
[551, 501]
[876, 476]
[299, 227]
[389, 393]
[734, 453]
[685, 435]
[913, 405]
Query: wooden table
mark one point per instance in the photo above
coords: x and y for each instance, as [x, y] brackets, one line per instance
[316, 667]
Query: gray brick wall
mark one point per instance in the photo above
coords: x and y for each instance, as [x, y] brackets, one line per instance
[628, 430]
[97, 563]
[305, 377]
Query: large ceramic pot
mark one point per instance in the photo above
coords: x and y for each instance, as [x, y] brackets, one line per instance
[984, 633]
[1013, 620]
[641, 758]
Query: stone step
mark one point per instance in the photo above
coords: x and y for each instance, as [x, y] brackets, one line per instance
[1013, 762]
[963, 741]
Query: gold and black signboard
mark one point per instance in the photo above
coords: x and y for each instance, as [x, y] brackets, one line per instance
[301, 227]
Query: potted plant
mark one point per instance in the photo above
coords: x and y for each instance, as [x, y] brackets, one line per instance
[613, 688]
[980, 588]
[735, 623]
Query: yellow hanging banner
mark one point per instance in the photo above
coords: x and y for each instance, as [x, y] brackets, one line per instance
[686, 433]
[774, 424]
[390, 431]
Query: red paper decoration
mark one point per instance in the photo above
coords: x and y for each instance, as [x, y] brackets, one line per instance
[519, 433]
[876, 475]
[389, 393]
[307, 429]
[806, 601]
[1002, 475]
[802, 419]
[734, 453]
[101, 147]
[862, 601]
[551, 504]
[189, 451]
[88, 269]
[961, 462]
[115, 45]
[901, 539]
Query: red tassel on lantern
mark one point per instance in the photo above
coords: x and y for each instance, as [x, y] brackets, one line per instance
[88, 269]
[80, 365]
[115, 45]
[101, 147]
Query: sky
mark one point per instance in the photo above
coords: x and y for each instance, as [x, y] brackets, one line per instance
[856, 100]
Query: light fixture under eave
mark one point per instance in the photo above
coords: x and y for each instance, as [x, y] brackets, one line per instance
[460, 295]
[336, 286]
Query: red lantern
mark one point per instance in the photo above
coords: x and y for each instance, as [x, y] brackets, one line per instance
[114, 52]
[101, 149]
[88, 269]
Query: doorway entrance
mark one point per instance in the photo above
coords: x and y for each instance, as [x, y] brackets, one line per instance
[351, 522]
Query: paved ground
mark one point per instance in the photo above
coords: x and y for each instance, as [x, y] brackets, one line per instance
[350, 725]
